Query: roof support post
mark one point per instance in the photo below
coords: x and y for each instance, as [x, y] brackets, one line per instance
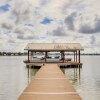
[28, 56]
[46, 53]
[31, 55]
[62, 56]
[76, 56]
[79, 55]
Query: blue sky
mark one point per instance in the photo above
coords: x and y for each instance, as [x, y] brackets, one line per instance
[4, 8]
[46, 21]
[64, 21]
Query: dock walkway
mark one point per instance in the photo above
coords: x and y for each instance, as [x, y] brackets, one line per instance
[50, 84]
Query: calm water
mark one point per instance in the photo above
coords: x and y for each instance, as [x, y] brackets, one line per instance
[14, 77]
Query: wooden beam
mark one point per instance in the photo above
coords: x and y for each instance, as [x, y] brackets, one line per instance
[76, 56]
[31, 55]
[45, 56]
[28, 55]
[79, 56]
[63, 56]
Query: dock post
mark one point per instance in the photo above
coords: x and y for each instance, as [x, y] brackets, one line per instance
[79, 55]
[28, 56]
[28, 74]
[45, 56]
[76, 56]
[76, 71]
[31, 55]
[79, 71]
[63, 57]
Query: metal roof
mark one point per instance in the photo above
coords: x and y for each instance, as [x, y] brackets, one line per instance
[53, 46]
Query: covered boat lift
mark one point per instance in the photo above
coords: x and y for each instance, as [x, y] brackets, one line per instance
[62, 48]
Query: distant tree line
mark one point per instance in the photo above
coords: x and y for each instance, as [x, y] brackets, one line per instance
[13, 53]
[90, 54]
[25, 53]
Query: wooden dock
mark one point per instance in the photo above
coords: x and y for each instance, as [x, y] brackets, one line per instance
[70, 64]
[50, 84]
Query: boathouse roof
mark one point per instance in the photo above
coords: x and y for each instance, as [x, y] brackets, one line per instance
[53, 46]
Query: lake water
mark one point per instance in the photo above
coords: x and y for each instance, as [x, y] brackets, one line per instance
[14, 77]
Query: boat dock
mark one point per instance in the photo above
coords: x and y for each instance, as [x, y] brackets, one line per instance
[50, 83]
[61, 65]
[60, 51]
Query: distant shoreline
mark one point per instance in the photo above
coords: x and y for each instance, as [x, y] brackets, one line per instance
[25, 54]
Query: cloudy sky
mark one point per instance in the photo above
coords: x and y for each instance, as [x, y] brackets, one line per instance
[24, 21]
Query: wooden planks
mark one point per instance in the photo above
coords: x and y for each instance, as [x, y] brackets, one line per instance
[50, 84]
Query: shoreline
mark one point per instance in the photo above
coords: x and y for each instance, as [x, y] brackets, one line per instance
[68, 54]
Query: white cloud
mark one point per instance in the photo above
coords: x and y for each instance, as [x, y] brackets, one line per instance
[21, 24]
[2, 2]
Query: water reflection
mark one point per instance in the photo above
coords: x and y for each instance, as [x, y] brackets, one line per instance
[31, 73]
[73, 74]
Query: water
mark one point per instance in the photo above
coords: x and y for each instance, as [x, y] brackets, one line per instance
[14, 77]
[88, 85]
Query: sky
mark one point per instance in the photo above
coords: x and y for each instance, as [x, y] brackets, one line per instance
[49, 21]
